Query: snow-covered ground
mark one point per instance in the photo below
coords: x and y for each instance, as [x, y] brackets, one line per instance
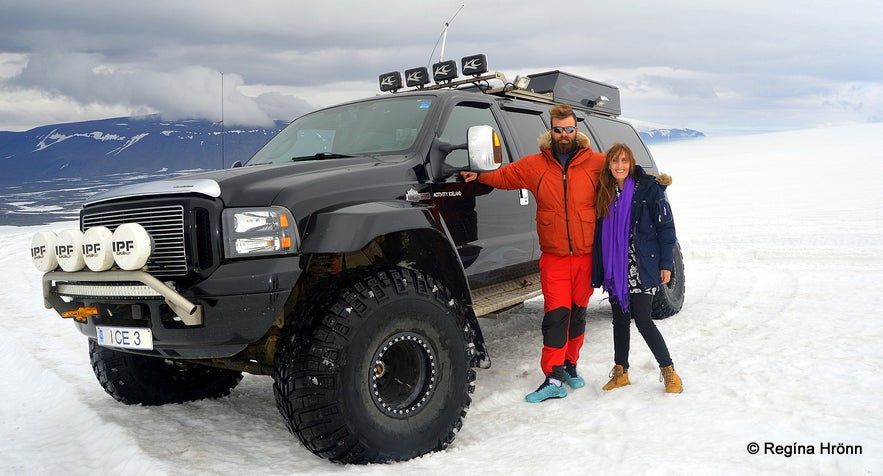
[779, 343]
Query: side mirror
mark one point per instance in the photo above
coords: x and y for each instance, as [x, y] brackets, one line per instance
[236, 164]
[484, 148]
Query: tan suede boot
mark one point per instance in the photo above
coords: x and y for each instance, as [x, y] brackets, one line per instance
[673, 382]
[619, 377]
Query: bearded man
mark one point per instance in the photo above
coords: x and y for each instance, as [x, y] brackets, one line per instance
[562, 178]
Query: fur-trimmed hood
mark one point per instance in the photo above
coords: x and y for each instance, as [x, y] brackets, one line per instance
[545, 140]
[663, 179]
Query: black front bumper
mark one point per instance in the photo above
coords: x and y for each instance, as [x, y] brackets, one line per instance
[216, 318]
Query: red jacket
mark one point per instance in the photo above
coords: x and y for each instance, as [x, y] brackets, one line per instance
[565, 199]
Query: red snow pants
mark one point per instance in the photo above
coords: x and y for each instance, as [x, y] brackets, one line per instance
[567, 287]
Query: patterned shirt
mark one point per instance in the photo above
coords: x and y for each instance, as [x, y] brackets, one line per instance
[635, 286]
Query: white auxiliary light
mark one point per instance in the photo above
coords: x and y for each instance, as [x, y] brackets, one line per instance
[131, 246]
[43, 251]
[521, 82]
[69, 250]
[598, 101]
[97, 242]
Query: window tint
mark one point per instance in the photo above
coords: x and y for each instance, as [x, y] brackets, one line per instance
[585, 129]
[527, 126]
[608, 132]
[462, 117]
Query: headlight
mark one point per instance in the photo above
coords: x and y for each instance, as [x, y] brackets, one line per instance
[259, 231]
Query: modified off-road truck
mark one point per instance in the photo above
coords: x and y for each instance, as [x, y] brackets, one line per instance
[347, 258]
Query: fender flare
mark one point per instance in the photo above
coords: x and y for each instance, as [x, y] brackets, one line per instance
[352, 227]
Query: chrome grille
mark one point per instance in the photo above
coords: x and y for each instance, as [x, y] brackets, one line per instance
[164, 223]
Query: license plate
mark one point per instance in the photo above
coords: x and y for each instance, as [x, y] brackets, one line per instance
[125, 337]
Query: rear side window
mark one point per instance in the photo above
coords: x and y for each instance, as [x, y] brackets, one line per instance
[608, 132]
[527, 126]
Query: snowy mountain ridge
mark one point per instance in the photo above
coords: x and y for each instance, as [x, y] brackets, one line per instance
[124, 145]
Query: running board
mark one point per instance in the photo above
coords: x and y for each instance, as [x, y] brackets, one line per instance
[487, 301]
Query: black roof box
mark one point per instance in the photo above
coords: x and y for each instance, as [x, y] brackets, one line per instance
[577, 91]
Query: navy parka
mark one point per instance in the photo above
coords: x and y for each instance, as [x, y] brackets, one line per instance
[653, 231]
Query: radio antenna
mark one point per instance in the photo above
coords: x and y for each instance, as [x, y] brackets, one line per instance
[443, 39]
[222, 121]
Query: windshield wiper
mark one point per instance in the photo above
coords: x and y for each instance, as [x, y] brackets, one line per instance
[320, 156]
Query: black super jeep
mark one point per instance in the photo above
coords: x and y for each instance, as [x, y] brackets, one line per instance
[346, 258]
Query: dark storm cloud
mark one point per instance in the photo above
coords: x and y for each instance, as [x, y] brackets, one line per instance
[280, 58]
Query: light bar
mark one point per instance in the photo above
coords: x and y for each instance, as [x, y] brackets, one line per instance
[444, 73]
[101, 290]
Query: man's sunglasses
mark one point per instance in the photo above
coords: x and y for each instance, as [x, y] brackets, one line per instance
[559, 129]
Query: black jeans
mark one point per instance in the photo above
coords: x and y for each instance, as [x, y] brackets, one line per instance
[640, 306]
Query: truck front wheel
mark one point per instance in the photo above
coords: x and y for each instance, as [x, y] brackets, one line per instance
[375, 367]
[136, 379]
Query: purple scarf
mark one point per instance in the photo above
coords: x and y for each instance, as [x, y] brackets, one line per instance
[615, 244]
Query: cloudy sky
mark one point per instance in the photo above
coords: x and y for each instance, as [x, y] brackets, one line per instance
[720, 67]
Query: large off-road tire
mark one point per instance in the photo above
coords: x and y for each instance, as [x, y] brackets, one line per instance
[375, 367]
[136, 379]
[670, 297]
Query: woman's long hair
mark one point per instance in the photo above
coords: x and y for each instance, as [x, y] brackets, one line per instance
[606, 187]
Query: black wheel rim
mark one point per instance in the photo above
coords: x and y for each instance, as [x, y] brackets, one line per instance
[403, 374]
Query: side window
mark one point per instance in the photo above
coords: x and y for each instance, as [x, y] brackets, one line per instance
[462, 117]
[586, 129]
[527, 126]
[609, 131]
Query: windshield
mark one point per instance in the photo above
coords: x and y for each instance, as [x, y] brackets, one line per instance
[379, 126]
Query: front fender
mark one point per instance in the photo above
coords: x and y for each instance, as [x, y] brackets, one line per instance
[350, 228]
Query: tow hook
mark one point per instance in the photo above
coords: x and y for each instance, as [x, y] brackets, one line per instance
[82, 314]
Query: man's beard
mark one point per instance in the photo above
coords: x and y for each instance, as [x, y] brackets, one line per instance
[563, 148]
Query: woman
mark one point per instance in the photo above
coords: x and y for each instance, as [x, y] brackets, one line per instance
[633, 256]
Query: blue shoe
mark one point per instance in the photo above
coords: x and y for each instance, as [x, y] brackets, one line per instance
[572, 378]
[546, 391]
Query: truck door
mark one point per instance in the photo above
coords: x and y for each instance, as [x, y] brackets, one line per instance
[493, 230]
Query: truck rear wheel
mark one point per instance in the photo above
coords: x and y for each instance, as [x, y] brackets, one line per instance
[669, 300]
[375, 368]
[136, 379]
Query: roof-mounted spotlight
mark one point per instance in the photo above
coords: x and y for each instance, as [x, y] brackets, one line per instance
[390, 81]
[521, 82]
[598, 101]
[416, 77]
[444, 71]
[474, 65]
